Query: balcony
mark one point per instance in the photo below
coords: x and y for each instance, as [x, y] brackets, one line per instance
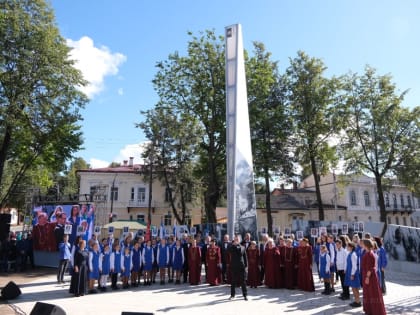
[139, 203]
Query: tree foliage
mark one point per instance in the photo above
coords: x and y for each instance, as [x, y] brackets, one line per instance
[171, 153]
[313, 99]
[195, 85]
[39, 99]
[270, 124]
[380, 136]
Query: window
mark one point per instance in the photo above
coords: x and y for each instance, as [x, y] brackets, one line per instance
[141, 194]
[167, 220]
[340, 218]
[405, 221]
[114, 193]
[141, 217]
[188, 220]
[409, 201]
[132, 193]
[168, 194]
[397, 220]
[386, 200]
[402, 201]
[352, 197]
[389, 220]
[394, 200]
[370, 218]
[355, 219]
[367, 199]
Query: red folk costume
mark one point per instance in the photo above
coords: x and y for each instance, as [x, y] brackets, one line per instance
[254, 277]
[271, 255]
[290, 267]
[194, 264]
[213, 261]
[305, 280]
[373, 303]
[281, 271]
[43, 236]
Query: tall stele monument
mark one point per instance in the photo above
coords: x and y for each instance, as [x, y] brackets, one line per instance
[242, 213]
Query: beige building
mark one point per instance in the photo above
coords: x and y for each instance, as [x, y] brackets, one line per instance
[123, 192]
[358, 194]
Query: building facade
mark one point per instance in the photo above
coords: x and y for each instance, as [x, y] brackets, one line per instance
[123, 193]
[358, 194]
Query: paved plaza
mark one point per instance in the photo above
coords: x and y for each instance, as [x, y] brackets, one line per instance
[403, 297]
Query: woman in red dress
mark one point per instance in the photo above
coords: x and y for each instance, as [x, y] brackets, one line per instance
[290, 265]
[254, 277]
[271, 254]
[305, 279]
[194, 263]
[213, 263]
[373, 303]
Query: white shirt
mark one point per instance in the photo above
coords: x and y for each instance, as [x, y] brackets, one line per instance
[341, 259]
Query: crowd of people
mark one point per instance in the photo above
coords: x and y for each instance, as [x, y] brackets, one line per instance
[16, 252]
[284, 263]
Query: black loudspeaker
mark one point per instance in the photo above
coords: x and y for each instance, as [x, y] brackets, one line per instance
[10, 291]
[136, 313]
[41, 308]
[4, 225]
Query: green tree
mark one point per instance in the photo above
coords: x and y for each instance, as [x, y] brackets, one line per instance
[381, 136]
[39, 99]
[171, 151]
[312, 99]
[270, 124]
[195, 86]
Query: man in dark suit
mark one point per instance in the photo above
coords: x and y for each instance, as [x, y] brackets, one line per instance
[186, 244]
[238, 267]
[225, 259]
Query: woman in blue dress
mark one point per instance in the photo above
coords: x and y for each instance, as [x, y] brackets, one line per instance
[148, 260]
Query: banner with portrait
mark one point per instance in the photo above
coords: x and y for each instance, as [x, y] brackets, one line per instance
[51, 222]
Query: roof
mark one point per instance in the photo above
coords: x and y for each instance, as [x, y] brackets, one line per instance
[135, 168]
[132, 225]
[283, 202]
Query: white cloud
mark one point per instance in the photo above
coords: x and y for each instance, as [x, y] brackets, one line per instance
[120, 91]
[95, 163]
[130, 150]
[95, 63]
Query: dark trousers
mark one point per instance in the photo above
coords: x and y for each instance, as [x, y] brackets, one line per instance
[238, 279]
[342, 276]
[185, 273]
[62, 266]
[383, 285]
[114, 278]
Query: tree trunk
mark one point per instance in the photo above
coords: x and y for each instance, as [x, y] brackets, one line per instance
[381, 201]
[268, 202]
[317, 189]
[3, 151]
[171, 199]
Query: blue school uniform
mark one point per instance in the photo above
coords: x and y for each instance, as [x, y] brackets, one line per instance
[126, 262]
[352, 268]
[163, 256]
[148, 258]
[136, 259]
[171, 253]
[332, 251]
[324, 262]
[178, 258]
[116, 262]
[94, 265]
[105, 263]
